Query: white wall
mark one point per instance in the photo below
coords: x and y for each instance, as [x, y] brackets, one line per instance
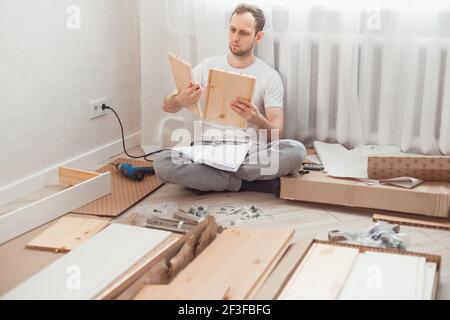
[157, 80]
[49, 73]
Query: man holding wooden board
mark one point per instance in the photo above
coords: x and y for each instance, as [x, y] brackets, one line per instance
[263, 113]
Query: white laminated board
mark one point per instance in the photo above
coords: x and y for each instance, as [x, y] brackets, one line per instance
[88, 269]
[35, 214]
[384, 276]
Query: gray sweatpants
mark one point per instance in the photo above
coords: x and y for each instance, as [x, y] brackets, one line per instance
[276, 159]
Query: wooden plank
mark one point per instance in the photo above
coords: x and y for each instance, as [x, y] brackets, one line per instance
[260, 282]
[384, 276]
[322, 274]
[71, 177]
[216, 268]
[182, 74]
[87, 270]
[223, 88]
[176, 292]
[33, 215]
[68, 232]
[281, 274]
[423, 222]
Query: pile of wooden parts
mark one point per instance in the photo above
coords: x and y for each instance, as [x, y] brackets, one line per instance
[87, 270]
[331, 270]
[114, 260]
[234, 266]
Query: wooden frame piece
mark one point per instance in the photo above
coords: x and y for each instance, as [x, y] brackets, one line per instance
[72, 177]
[90, 187]
[223, 88]
[429, 258]
[182, 74]
[423, 223]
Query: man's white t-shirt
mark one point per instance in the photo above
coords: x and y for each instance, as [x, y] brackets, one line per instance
[268, 91]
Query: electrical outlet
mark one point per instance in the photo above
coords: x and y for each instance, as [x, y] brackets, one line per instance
[95, 108]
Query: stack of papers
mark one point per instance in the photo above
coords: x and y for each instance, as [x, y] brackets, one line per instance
[223, 156]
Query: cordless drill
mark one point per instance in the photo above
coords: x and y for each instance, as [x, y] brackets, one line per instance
[134, 173]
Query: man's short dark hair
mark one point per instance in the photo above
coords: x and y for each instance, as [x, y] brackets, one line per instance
[256, 12]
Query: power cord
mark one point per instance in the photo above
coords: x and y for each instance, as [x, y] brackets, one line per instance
[105, 107]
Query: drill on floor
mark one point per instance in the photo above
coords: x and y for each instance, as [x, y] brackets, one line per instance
[133, 172]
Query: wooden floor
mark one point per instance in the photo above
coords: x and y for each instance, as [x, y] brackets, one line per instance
[309, 221]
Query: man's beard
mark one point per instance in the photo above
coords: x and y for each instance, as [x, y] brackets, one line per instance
[240, 52]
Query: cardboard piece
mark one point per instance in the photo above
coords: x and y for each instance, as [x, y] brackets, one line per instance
[428, 199]
[428, 168]
[125, 192]
[223, 88]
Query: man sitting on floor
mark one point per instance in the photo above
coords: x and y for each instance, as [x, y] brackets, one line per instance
[265, 111]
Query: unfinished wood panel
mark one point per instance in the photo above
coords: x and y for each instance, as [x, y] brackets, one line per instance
[424, 223]
[68, 232]
[35, 214]
[281, 273]
[71, 177]
[87, 270]
[223, 88]
[124, 193]
[176, 292]
[322, 274]
[261, 280]
[216, 268]
[385, 276]
[182, 74]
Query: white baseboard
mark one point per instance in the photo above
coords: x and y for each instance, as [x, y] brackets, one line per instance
[49, 176]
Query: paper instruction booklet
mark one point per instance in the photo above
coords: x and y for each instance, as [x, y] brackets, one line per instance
[223, 156]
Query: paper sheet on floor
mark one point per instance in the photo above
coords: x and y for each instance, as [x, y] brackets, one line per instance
[342, 163]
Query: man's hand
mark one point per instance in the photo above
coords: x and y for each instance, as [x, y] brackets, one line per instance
[246, 110]
[273, 120]
[190, 95]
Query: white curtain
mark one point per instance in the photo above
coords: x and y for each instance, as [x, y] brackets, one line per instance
[370, 72]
